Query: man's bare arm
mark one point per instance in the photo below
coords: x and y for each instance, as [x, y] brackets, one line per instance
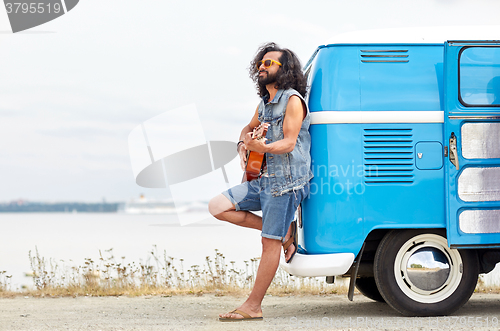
[294, 115]
[254, 122]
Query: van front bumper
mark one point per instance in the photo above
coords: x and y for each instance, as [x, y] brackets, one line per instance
[317, 265]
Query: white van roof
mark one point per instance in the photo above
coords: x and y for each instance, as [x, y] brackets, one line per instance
[420, 35]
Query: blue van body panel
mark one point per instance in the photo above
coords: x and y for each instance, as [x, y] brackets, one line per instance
[346, 203]
[395, 173]
[368, 175]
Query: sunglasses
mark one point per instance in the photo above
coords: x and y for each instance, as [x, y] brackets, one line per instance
[267, 63]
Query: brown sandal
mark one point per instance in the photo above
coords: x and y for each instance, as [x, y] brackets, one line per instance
[246, 317]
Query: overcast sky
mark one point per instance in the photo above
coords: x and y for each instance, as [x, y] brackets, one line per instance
[72, 90]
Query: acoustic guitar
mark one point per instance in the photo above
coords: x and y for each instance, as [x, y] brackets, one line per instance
[255, 159]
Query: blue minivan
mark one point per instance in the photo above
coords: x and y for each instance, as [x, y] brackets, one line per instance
[405, 197]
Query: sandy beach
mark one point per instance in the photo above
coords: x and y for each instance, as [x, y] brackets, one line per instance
[190, 312]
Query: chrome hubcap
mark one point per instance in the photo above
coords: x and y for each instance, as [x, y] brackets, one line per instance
[428, 268]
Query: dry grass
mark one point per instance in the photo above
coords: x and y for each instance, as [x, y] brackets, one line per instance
[4, 285]
[159, 275]
[482, 288]
[165, 275]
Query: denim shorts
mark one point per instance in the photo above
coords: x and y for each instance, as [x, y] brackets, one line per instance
[277, 212]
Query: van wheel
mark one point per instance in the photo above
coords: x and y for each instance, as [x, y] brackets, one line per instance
[417, 274]
[368, 287]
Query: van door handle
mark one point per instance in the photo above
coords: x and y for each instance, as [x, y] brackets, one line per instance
[453, 150]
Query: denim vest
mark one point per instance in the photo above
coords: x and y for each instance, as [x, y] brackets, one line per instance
[288, 171]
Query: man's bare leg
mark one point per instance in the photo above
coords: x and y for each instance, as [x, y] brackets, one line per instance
[221, 208]
[267, 269]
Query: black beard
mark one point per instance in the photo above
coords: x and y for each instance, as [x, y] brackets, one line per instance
[268, 79]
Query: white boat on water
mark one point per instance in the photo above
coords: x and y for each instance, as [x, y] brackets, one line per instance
[166, 206]
[152, 206]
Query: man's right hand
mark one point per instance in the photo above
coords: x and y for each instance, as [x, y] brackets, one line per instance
[242, 150]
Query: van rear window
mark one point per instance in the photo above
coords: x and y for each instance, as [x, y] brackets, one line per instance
[479, 76]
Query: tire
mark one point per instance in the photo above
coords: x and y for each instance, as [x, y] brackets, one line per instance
[368, 287]
[417, 274]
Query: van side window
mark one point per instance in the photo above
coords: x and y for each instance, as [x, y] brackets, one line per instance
[479, 76]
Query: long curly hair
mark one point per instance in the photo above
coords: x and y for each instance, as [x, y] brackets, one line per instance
[289, 75]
